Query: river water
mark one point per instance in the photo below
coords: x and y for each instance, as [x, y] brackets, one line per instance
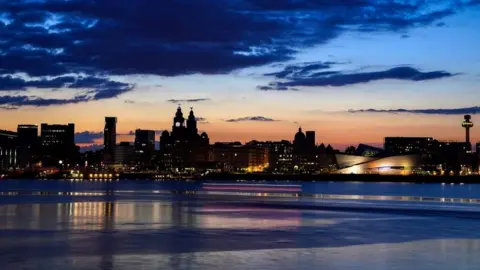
[149, 225]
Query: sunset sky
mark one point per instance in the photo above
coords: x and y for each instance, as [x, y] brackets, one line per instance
[353, 71]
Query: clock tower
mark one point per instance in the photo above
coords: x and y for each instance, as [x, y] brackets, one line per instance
[178, 120]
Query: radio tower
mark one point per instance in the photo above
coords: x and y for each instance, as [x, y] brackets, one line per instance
[467, 124]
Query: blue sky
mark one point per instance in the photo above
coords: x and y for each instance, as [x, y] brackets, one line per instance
[337, 67]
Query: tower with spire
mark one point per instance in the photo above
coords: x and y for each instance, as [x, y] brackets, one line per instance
[192, 123]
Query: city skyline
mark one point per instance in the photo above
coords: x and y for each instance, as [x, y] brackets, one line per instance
[87, 140]
[354, 73]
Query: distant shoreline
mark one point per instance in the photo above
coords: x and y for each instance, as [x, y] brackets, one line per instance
[472, 179]
[368, 178]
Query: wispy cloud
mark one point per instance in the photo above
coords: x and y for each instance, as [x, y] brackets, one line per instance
[193, 100]
[252, 118]
[453, 111]
[202, 120]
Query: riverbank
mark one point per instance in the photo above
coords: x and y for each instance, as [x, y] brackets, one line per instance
[471, 179]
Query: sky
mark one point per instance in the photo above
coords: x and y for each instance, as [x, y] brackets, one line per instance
[355, 71]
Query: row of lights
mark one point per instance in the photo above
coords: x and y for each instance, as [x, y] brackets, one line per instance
[102, 175]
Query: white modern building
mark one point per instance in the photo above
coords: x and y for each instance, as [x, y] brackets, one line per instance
[393, 165]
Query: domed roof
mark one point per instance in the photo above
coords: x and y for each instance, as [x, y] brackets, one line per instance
[204, 135]
[165, 133]
[299, 135]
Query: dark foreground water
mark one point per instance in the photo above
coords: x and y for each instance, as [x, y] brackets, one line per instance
[144, 225]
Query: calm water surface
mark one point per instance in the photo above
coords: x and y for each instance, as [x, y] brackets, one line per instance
[143, 225]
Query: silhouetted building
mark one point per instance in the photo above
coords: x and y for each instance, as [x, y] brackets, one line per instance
[309, 158]
[109, 140]
[58, 145]
[124, 153]
[310, 140]
[299, 141]
[183, 146]
[144, 146]
[455, 157]
[410, 145]
[304, 143]
[28, 144]
[8, 150]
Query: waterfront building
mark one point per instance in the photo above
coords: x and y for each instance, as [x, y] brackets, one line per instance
[393, 165]
[183, 146]
[280, 155]
[245, 158]
[28, 144]
[58, 145]
[8, 150]
[109, 140]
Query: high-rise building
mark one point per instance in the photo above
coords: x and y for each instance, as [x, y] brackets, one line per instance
[8, 150]
[28, 143]
[58, 144]
[144, 145]
[109, 140]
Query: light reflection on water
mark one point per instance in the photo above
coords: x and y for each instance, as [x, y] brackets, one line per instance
[139, 229]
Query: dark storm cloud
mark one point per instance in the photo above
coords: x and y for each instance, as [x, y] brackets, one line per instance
[251, 118]
[193, 100]
[336, 79]
[455, 111]
[87, 137]
[183, 37]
